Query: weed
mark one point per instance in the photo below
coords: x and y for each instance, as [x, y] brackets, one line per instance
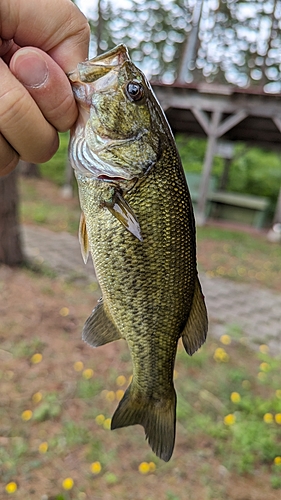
[48, 409]
[88, 388]
[75, 434]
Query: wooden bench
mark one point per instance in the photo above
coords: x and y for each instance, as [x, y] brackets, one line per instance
[193, 181]
[244, 208]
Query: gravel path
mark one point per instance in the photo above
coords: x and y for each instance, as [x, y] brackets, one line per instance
[254, 313]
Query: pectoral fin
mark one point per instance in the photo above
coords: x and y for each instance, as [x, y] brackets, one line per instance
[83, 238]
[99, 329]
[195, 331]
[123, 212]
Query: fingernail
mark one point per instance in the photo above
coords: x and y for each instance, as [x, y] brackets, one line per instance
[30, 68]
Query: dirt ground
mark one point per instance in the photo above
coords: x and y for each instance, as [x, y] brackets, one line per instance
[42, 314]
[57, 396]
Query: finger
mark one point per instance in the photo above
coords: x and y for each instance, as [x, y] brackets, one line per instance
[21, 122]
[57, 27]
[47, 84]
[8, 157]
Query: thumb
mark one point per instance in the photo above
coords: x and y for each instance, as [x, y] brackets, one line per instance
[47, 84]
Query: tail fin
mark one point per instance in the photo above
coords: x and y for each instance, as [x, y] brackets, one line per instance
[159, 421]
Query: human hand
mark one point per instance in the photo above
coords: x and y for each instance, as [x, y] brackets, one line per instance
[39, 42]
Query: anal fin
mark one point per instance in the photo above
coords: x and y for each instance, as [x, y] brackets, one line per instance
[195, 331]
[99, 329]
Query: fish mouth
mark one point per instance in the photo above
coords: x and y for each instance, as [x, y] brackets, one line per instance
[97, 75]
[97, 69]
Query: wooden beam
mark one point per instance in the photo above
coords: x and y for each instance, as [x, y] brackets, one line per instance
[277, 215]
[202, 119]
[277, 121]
[231, 121]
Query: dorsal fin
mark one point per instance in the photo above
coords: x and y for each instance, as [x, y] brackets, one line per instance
[83, 238]
[195, 331]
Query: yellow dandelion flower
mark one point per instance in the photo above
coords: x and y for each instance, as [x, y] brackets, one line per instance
[37, 396]
[36, 358]
[88, 373]
[107, 423]
[278, 393]
[264, 348]
[268, 418]
[43, 447]
[68, 483]
[225, 339]
[221, 356]
[100, 419]
[262, 376]
[110, 395]
[11, 487]
[264, 367]
[121, 380]
[229, 419]
[277, 461]
[278, 418]
[64, 311]
[95, 467]
[78, 366]
[235, 397]
[119, 394]
[152, 466]
[144, 468]
[26, 415]
[246, 384]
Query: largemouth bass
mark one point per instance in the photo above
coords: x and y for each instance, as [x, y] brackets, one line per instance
[137, 222]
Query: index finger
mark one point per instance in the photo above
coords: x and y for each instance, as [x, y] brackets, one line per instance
[57, 27]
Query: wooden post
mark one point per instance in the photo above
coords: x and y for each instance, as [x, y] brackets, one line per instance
[11, 252]
[207, 167]
[277, 215]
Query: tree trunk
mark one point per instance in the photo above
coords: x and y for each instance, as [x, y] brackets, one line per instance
[28, 169]
[11, 252]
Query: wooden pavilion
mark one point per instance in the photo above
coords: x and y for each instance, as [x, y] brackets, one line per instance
[220, 112]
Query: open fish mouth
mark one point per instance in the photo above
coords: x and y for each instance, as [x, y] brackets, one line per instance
[101, 71]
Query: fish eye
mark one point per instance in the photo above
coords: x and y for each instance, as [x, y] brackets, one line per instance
[135, 91]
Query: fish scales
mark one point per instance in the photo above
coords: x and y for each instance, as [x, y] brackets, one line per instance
[142, 241]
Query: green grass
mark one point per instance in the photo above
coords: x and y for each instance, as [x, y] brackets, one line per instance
[239, 256]
[243, 434]
[246, 430]
[214, 429]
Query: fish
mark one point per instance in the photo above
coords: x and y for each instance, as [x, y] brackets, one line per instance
[138, 224]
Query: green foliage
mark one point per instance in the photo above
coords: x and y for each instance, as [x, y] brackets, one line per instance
[192, 152]
[252, 170]
[54, 169]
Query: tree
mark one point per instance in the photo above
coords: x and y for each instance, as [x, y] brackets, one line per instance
[11, 252]
[234, 41]
[28, 169]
